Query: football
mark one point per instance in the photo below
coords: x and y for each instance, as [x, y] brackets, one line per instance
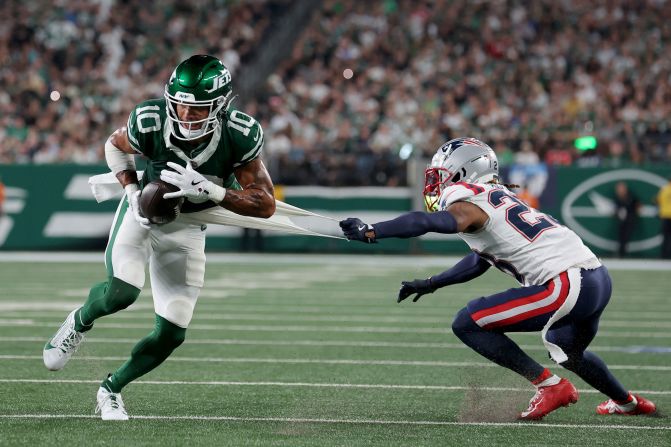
[157, 209]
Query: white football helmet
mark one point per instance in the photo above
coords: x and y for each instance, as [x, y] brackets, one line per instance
[460, 160]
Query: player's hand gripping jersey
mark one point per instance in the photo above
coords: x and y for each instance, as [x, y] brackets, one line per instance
[238, 141]
[517, 239]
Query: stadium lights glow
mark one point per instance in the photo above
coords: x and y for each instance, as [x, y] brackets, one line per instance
[586, 143]
[406, 151]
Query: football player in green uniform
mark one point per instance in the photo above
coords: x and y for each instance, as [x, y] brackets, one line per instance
[195, 141]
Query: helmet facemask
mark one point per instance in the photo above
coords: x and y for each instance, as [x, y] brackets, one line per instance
[192, 130]
[435, 181]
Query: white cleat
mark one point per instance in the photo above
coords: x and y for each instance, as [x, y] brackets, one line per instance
[110, 406]
[60, 348]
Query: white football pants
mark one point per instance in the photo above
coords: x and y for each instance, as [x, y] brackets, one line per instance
[176, 255]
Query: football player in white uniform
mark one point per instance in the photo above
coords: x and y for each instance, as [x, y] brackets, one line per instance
[565, 288]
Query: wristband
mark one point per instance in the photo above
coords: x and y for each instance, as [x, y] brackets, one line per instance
[217, 193]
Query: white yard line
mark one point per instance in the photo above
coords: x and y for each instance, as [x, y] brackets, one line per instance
[61, 309]
[8, 316]
[321, 328]
[345, 421]
[300, 361]
[334, 343]
[397, 261]
[318, 385]
[278, 317]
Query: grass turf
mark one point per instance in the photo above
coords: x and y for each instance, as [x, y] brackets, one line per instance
[313, 353]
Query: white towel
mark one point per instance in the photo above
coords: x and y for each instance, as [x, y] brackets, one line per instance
[556, 353]
[106, 186]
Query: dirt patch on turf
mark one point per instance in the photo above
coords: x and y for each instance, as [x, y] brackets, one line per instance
[482, 405]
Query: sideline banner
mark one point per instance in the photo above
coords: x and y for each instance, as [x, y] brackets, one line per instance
[50, 207]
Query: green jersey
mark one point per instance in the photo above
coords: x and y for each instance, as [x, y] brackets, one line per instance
[237, 141]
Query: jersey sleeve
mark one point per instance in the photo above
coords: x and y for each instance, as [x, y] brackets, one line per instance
[458, 191]
[144, 127]
[247, 137]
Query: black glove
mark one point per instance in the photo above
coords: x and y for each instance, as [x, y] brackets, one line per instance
[418, 286]
[355, 230]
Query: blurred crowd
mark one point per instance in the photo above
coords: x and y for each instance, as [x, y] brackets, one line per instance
[72, 70]
[526, 77]
[366, 86]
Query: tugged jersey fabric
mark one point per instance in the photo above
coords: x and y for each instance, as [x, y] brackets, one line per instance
[518, 239]
[236, 142]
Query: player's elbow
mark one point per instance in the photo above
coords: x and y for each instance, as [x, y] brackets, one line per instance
[268, 212]
[268, 208]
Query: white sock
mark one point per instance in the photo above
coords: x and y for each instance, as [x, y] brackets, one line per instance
[628, 406]
[553, 380]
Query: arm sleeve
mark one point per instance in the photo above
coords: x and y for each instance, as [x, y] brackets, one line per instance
[416, 223]
[468, 268]
[117, 160]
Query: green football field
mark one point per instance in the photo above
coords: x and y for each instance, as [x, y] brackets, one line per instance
[313, 350]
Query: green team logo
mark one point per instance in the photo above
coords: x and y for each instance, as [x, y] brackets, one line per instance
[590, 207]
[220, 81]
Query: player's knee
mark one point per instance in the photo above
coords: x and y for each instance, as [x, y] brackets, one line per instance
[463, 323]
[179, 310]
[119, 295]
[574, 360]
[169, 334]
[172, 339]
[130, 270]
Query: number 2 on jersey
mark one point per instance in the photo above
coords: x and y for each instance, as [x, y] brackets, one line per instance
[527, 221]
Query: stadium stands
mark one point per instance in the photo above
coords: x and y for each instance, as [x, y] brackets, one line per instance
[511, 73]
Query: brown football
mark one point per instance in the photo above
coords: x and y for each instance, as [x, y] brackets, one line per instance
[157, 209]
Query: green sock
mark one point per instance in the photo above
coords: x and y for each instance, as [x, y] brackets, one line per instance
[150, 352]
[105, 298]
[79, 326]
[108, 385]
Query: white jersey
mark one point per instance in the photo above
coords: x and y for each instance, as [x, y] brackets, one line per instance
[517, 239]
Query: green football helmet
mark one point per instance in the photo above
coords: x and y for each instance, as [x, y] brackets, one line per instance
[199, 81]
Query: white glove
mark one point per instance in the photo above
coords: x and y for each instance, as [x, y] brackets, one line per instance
[191, 184]
[133, 195]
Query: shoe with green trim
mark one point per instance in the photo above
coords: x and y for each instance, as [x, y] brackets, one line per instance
[63, 345]
[110, 406]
